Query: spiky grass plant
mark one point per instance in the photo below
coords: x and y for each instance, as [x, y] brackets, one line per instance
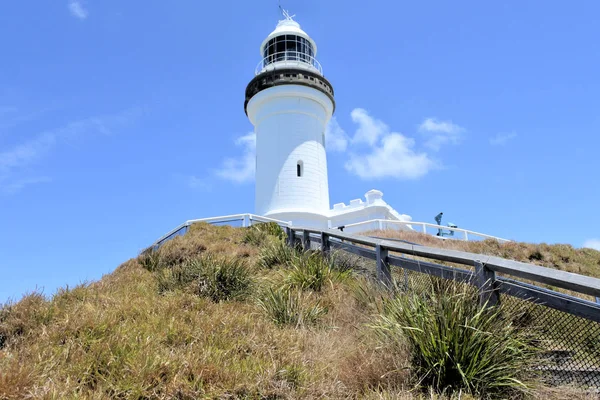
[312, 271]
[150, 259]
[458, 345]
[259, 234]
[276, 253]
[224, 279]
[285, 306]
[218, 278]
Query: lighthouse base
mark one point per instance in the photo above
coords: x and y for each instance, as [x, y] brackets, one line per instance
[358, 216]
[301, 218]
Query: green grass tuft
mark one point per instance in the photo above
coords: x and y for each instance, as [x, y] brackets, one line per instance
[312, 271]
[259, 234]
[276, 253]
[286, 306]
[456, 344]
[217, 278]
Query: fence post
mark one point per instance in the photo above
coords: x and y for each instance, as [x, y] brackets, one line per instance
[486, 283]
[305, 240]
[290, 236]
[383, 269]
[324, 243]
[246, 221]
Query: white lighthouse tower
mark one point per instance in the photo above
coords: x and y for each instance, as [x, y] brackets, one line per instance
[289, 102]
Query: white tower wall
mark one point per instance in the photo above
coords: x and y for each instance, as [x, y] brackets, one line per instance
[290, 123]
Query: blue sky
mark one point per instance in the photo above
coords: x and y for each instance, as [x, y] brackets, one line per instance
[120, 120]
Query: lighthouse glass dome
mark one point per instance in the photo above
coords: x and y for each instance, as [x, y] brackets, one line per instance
[288, 46]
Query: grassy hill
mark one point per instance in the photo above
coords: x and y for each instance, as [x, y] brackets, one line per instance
[233, 313]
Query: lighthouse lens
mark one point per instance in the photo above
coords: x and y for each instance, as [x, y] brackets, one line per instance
[288, 48]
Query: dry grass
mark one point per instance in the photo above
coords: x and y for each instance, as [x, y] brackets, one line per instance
[123, 338]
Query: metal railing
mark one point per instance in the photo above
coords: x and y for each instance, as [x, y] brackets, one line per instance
[566, 325]
[244, 220]
[375, 224]
[382, 224]
[288, 59]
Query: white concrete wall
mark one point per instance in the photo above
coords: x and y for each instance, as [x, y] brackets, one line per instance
[290, 123]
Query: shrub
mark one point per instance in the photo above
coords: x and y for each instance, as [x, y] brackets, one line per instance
[456, 344]
[291, 307]
[223, 279]
[258, 234]
[254, 236]
[150, 260]
[311, 271]
[219, 279]
[277, 253]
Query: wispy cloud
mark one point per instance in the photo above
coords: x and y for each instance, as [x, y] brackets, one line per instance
[17, 161]
[243, 169]
[592, 244]
[335, 137]
[78, 10]
[440, 133]
[19, 184]
[502, 138]
[390, 155]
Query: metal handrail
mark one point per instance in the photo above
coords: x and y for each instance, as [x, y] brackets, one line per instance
[380, 222]
[287, 59]
[424, 225]
[562, 279]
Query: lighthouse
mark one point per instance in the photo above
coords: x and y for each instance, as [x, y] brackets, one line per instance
[290, 102]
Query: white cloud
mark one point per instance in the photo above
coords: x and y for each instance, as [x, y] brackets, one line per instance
[369, 129]
[18, 185]
[502, 138]
[26, 152]
[335, 137]
[77, 10]
[391, 154]
[243, 169]
[592, 244]
[440, 133]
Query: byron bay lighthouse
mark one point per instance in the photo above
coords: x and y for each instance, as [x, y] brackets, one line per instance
[290, 103]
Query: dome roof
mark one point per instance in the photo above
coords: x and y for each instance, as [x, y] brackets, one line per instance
[288, 27]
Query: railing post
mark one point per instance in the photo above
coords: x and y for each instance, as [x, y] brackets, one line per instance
[305, 240]
[424, 228]
[383, 269]
[486, 283]
[246, 221]
[290, 236]
[324, 243]
[466, 236]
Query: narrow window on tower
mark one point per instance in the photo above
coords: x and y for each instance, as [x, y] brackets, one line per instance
[299, 168]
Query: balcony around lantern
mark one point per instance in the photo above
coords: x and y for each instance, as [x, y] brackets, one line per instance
[288, 59]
